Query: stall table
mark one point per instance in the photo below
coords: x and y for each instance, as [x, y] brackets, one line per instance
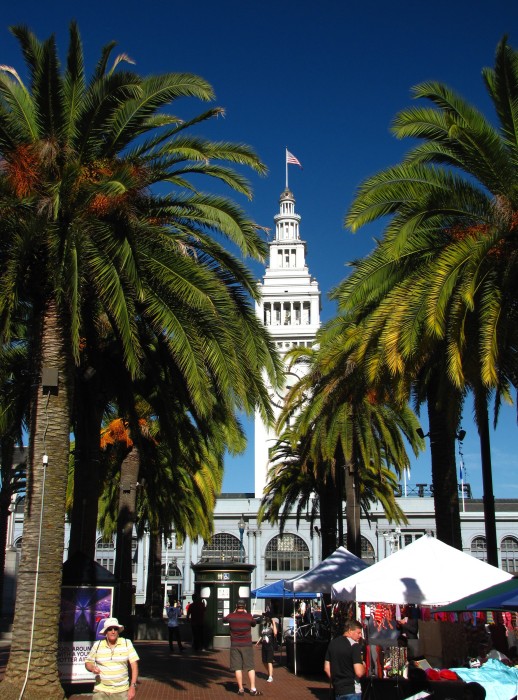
[400, 688]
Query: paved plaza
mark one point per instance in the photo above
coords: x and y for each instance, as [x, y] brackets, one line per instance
[205, 676]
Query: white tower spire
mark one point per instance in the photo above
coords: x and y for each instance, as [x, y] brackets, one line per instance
[289, 307]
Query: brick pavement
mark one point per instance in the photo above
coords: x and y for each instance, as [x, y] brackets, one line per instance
[206, 676]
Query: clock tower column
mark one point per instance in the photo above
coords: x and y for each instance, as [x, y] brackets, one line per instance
[289, 307]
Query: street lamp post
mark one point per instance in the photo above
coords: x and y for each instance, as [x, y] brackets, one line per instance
[166, 569]
[241, 525]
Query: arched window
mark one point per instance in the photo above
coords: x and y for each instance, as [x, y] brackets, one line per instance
[479, 548]
[18, 544]
[509, 554]
[287, 553]
[172, 570]
[368, 554]
[105, 554]
[222, 547]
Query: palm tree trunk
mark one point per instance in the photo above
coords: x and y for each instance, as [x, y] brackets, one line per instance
[444, 470]
[341, 491]
[87, 475]
[329, 504]
[352, 505]
[33, 660]
[154, 595]
[482, 418]
[127, 515]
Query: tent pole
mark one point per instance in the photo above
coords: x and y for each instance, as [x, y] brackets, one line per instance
[282, 623]
[294, 640]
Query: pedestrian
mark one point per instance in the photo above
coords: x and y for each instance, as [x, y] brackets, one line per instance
[344, 664]
[241, 648]
[108, 659]
[174, 612]
[409, 633]
[267, 642]
[196, 614]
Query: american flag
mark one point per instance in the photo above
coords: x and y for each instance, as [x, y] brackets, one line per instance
[290, 158]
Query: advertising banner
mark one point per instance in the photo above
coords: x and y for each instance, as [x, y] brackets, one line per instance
[83, 609]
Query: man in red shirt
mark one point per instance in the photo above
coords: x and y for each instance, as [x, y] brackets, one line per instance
[241, 649]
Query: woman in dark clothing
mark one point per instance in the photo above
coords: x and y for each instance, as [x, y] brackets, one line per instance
[267, 641]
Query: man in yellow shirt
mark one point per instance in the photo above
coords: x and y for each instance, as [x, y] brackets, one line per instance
[109, 659]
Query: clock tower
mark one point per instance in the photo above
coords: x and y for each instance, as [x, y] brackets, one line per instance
[289, 308]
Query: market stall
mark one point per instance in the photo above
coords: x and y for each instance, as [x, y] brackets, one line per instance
[308, 654]
[276, 590]
[426, 572]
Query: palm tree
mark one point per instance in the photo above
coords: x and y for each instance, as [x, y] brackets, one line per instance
[84, 231]
[453, 229]
[315, 492]
[335, 420]
[389, 341]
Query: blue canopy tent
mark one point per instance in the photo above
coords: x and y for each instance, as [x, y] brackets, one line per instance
[507, 600]
[277, 590]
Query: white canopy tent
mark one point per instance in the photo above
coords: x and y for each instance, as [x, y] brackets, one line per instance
[320, 578]
[426, 572]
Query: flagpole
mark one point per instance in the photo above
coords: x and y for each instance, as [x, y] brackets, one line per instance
[286, 158]
[462, 486]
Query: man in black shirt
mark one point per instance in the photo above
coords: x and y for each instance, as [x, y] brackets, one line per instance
[344, 664]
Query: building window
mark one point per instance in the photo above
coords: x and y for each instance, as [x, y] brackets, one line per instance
[20, 505]
[222, 547]
[18, 544]
[367, 551]
[479, 548]
[287, 553]
[287, 313]
[105, 554]
[409, 537]
[306, 313]
[509, 554]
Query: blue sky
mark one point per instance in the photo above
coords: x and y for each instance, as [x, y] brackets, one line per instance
[323, 79]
